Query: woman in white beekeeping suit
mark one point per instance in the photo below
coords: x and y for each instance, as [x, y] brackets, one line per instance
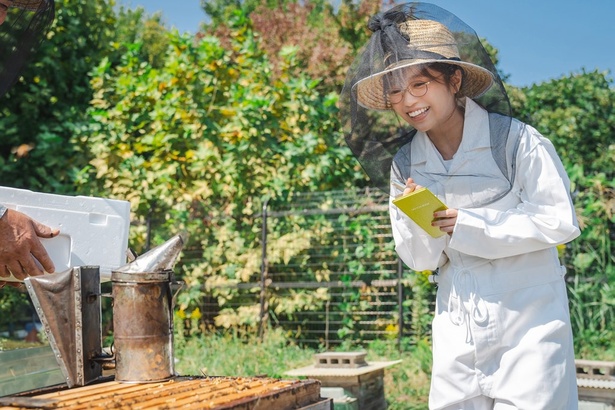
[424, 107]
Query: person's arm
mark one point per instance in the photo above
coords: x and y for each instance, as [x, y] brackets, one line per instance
[20, 246]
[544, 218]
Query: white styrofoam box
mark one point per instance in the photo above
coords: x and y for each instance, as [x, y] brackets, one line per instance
[93, 231]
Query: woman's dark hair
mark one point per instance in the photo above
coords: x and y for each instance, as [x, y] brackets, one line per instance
[447, 71]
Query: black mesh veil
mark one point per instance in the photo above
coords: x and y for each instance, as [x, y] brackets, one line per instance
[373, 131]
[25, 26]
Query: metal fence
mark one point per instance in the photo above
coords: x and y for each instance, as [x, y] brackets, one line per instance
[329, 273]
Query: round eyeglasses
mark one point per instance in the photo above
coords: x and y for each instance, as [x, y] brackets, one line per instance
[419, 89]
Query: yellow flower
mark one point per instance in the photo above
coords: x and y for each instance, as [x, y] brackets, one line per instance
[196, 314]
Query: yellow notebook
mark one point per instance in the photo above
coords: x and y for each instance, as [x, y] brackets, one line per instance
[420, 205]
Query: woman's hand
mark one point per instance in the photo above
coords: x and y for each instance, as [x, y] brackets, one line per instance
[411, 186]
[445, 220]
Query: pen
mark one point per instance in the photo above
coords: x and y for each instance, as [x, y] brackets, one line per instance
[398, 185]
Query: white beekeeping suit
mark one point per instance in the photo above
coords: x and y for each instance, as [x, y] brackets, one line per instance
[500, 254]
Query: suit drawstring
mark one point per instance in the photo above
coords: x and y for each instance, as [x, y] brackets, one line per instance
[464, 290]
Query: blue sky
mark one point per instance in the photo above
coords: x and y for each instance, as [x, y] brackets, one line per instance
[538, 40]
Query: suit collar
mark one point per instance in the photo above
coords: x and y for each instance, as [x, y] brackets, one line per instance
[475, 137]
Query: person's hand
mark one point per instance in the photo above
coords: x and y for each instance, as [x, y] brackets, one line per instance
[411, 186]
[20, 247]
[445, 220]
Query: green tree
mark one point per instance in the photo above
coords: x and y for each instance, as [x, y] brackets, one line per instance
[196, 144]
[326, 38]
[222, 11]
[43, 110]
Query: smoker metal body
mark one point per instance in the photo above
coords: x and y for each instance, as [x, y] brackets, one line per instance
[142, 326]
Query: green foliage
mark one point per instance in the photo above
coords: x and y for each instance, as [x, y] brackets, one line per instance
[14, 300]
[351, 20]
[12, 344]
[196, 144]
[47, 106]
[326, 268]
[47, 109]
[576, 112]
[221, 11]
[407, 383]
[134, 27]
[420, 306]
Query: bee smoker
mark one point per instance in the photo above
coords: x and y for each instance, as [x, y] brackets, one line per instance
[69, 306]
[143, 315]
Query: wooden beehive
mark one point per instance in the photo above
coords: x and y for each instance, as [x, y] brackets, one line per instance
[220, 393]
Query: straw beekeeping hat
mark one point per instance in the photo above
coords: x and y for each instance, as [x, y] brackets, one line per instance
[428, 42]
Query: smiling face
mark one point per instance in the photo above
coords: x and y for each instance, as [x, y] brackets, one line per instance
[424, 97]
[4, 8]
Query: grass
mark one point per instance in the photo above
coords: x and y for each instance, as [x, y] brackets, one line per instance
[227, 354]
[12, 344]
[406, 384]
